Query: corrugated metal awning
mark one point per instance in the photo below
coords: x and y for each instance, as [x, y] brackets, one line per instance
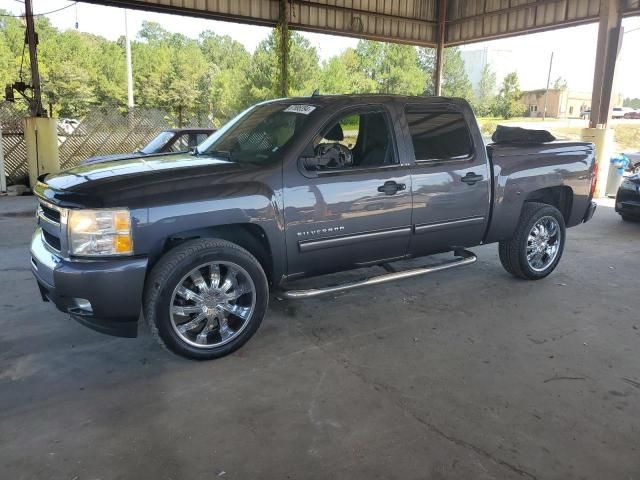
[404, 21]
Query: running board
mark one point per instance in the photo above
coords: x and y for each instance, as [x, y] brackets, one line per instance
[463, 257]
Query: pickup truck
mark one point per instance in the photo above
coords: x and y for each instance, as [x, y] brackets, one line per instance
[294, 188]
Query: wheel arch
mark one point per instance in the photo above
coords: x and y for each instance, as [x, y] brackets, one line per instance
[560, 196]
[249, 236]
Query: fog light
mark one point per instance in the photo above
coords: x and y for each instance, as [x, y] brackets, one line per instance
[83, 304]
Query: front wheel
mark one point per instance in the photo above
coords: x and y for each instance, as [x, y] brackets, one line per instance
[205, 298]
[537, 244]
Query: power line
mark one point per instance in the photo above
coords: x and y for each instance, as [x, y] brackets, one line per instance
[40, 14]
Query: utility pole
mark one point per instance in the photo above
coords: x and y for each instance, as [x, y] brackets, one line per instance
[544, 112]
[35, 104]
[130, 103]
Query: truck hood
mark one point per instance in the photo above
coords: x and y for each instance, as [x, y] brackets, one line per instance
[108, 158]
[129, 181]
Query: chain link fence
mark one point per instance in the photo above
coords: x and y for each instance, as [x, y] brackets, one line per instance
[100, 132]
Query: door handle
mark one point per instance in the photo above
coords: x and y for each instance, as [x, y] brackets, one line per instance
[471, 178]
[391, 188]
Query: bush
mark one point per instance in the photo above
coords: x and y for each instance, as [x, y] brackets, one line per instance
[487, 127]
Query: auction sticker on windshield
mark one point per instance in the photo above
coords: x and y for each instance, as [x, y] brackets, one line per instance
[303, 109]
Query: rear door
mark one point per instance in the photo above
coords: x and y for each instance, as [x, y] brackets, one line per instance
[354, 210]
[449, 177]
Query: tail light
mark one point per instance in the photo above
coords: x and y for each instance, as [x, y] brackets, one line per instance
[594, 179]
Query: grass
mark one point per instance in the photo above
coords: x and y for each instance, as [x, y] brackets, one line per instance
[626, 137]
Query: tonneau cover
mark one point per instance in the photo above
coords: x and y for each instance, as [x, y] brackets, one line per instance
[520, 135]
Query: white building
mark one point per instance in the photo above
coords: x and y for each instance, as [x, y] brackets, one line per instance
[499, 60]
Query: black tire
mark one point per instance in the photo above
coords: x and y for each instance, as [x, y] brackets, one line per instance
[513, 252]
[172, 267]
[504, 257]
[627, 218]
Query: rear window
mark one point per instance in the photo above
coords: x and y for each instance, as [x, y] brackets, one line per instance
[439, 135]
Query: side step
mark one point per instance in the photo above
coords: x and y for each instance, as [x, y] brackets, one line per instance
[463, 257]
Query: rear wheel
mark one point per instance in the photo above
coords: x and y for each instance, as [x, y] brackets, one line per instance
[627, 218]
[205, 298]
[537, 244]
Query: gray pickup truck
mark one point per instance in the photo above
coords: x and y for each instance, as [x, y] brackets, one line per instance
[295, 188]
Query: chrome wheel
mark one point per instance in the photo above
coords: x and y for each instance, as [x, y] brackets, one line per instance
[212, 304]
[543, 243]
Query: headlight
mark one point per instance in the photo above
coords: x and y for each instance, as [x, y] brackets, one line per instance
[628, 185]
[100, 232]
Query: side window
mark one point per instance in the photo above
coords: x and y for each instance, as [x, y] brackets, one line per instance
[439, 135]
[350, 127]
[356, 140]
[180, 144]
[199, 138]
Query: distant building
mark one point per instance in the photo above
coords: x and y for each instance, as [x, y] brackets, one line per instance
[561, 103]
[500, 61]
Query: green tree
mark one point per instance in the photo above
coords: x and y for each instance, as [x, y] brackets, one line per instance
[507, 102]
[485, 96]
[390, 67]
[560, 83]
[455, 81]
[631, 102]
[226, 83]
[264, 74]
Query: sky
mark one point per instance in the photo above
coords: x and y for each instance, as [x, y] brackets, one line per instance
[573, 48]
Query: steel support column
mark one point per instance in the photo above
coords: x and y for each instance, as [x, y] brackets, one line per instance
[283, 47]
[609, 37]
[35, 104]
[442, 29]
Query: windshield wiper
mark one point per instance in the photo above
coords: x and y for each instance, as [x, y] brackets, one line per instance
[215, 153]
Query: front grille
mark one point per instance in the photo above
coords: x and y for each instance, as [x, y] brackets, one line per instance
[51, 240]
[49, 213]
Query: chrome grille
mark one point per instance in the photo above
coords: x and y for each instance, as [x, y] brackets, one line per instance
[50, 214]
[51, 240]
[51, 218]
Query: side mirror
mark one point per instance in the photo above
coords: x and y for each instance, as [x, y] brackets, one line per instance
[308, 166]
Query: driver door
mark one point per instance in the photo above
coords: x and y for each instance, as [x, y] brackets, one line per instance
[352, 208]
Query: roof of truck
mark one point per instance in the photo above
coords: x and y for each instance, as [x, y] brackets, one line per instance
[376, 97]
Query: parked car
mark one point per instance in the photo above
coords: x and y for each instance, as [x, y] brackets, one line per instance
[620, 112]
[634, 114]
[173, 140]
[628, 198]
[281, 193]
[66, 126]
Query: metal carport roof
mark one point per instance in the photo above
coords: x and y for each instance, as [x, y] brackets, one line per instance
[404, 21]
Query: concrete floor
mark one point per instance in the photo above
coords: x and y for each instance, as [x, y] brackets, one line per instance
[467, 374]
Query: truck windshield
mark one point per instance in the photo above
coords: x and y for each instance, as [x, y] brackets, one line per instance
[257, 134]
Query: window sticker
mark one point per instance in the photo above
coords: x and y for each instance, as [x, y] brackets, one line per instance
[303, 109]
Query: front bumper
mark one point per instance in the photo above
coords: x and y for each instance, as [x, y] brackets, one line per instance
[628, 202]
[103, 294]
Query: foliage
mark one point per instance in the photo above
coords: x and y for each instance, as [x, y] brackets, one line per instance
[211, 77]
[387, 68]
[560, 84]
[455, 82]
[507, 103]
[631, 102]
[484, 99]
[487, 126]
[264, 77]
